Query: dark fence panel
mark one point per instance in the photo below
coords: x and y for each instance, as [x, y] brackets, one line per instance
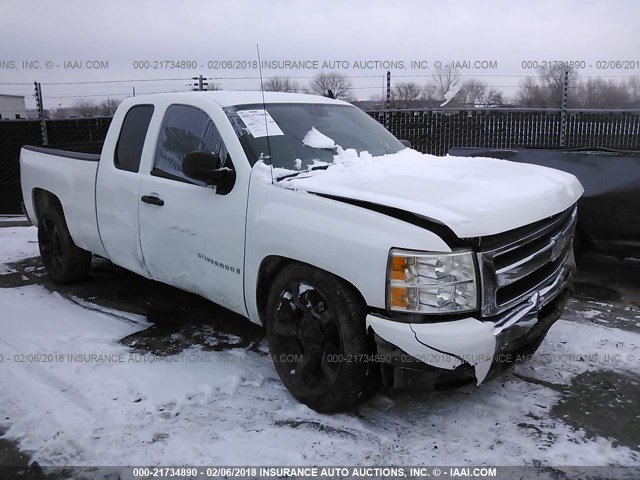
[437, 131]
[13, 135]
[80, 134]
[616, 130]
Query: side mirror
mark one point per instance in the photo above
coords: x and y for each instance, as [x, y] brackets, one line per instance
[206, 167]
[203, 166]
[406, 143]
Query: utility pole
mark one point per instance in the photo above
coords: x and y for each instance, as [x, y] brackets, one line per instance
[386, 113]
[563, 109]
[199, 86]
[40, 108]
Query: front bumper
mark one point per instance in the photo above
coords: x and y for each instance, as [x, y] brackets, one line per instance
[479, 343]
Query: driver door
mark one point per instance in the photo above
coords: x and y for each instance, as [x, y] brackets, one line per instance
[190, 236]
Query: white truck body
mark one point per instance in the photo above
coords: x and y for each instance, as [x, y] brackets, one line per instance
[334, 220]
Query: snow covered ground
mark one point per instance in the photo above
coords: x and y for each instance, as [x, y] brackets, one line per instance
[15, 244]
[71, 393]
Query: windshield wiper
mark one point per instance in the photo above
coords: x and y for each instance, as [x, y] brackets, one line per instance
[291, 175]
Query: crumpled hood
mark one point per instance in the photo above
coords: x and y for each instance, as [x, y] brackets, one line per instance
[472, 196]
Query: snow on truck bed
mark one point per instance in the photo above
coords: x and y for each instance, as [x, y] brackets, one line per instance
[89, 400]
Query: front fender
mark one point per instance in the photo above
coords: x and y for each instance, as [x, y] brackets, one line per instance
[346, 240]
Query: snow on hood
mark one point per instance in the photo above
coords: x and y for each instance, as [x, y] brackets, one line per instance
[472, 196]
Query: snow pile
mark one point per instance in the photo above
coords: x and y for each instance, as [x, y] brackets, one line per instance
[263, 172]
[473, 196]
[17, 243]
[316, 139]
[73, 395]
[453, 90]
[349, 166]
[585, 349]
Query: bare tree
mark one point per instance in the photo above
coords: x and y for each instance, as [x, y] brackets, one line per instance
[429, 92]
[446, 81]
[108, 107]
[376, 101]
[85, 108]
[406, 94]
[62, 112]
[532, 94]
[601, 93]
[546, 89]
[333, 83]
[553, 78]
[477, 93]
[633, 86]
[281, 84]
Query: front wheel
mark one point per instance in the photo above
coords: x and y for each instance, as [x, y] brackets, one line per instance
[318, 340]
[65, 262]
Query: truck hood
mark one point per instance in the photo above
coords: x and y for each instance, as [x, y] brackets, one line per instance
[472, 196]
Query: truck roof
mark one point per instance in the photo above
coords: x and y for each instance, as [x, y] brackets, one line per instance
[226, 98]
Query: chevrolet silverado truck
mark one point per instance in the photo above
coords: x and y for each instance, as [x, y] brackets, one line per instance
[363, 259]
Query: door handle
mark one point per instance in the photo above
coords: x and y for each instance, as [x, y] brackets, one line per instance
[152, 200]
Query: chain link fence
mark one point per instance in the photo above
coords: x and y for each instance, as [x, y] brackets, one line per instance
[79, 134]
[429, 131]
[13, 135]
[437, 131]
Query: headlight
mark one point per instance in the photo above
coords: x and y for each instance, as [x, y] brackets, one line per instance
[431, 283]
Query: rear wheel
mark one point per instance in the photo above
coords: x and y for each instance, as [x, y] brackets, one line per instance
[317, 338]
[65, 262]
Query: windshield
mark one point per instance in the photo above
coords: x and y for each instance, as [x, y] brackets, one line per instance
[306, 135]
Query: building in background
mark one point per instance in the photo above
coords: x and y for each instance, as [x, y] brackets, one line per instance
[12, 107]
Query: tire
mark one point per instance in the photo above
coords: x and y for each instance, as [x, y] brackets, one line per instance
[64, 261]
[318, 340]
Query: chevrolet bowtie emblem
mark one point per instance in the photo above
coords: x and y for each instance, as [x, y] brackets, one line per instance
[556, 247]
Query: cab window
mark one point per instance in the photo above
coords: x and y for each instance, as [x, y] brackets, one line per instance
[186, 129]
[132, 135]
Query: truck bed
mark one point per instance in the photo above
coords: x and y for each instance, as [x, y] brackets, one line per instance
[71, 177]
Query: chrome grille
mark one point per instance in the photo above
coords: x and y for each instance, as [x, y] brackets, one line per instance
[517, 269]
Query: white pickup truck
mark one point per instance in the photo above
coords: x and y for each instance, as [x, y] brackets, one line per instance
[365, 260]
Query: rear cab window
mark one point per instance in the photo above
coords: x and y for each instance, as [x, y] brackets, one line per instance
[132, 136]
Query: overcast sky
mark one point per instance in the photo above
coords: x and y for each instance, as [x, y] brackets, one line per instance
[121, 32]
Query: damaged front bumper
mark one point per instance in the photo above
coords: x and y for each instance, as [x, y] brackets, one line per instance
[480, 343]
